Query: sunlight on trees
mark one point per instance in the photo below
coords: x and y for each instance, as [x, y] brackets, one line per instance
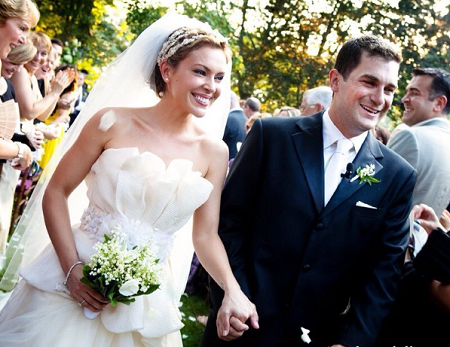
[280, 48]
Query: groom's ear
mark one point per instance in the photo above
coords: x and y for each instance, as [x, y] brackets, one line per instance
[335, 80]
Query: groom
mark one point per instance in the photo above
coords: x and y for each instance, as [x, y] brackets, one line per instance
[320, 255]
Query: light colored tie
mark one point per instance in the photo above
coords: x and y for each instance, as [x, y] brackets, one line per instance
[337, 164]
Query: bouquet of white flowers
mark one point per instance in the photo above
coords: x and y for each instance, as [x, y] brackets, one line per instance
[121, 272]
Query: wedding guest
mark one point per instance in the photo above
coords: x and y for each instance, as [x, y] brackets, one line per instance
[318, 248]
[31, 102]
[57, 47]
[18, 56]
[16, 19]
[151, 165]
[251, 106]
[80, 97]
[46, 73]
[287, 111]
[252, 119]
[316, 100]
[421, 314]
[60, 118]
[425, 144]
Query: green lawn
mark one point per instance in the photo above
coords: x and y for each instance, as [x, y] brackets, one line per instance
[193, 305]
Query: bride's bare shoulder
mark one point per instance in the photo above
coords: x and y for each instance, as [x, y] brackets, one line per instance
[213, 147]
[113, 117]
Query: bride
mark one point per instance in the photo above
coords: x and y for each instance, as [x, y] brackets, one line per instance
[152, 158]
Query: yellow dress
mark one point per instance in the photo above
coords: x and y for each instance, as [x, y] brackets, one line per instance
[50, 145]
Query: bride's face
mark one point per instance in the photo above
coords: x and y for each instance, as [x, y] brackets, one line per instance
[196, 82]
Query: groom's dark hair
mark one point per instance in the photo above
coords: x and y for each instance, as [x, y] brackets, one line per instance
[351, 52]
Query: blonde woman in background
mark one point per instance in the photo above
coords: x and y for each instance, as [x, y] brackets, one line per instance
[17, 17]
[32, 140]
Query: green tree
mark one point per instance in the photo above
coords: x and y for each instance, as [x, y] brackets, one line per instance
[85, 27]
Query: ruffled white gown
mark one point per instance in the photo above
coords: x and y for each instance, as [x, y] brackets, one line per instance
[143, 196]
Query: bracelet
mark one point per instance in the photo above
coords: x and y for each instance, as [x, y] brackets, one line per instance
[70, 271]
[19, 150]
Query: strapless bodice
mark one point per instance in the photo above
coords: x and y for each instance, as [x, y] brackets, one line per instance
[138, 194]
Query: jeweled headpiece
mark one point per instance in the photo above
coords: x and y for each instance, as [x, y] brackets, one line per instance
[183, 37]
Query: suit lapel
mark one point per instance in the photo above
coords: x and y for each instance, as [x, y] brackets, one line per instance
[309, 146]
[369, 153]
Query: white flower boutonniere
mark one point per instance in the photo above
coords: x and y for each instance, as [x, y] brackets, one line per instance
[366, 175]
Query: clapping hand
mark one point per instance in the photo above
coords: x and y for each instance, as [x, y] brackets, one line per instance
[236, 309]
[62, 80]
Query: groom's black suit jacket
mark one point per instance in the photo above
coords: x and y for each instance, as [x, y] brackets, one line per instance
[333, 270]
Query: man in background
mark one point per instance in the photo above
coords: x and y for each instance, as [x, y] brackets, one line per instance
[81, 95]
[57, 47]
[316, 100]
[425, 144]
[251, 106]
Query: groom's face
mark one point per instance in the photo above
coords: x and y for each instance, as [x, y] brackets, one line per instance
[364, 97]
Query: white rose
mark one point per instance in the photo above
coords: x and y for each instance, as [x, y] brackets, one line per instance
[129, 288]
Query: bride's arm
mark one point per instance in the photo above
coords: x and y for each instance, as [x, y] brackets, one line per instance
[212, 254]
[72, 169]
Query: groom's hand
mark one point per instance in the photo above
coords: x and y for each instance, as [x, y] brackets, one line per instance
[236, 309]
[234, 330]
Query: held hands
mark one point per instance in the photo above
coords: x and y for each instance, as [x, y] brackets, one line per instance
[83, 294]
[236, 309]
[427, 218]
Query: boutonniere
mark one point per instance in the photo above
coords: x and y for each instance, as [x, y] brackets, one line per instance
[366, 175]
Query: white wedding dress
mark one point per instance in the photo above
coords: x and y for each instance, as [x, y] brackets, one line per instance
[139, 193]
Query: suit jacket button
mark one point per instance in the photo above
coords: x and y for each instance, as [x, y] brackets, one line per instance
[319, 226]
[306, 267]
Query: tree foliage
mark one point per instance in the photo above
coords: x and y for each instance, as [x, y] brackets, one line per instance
[85, 28]
[279, 49]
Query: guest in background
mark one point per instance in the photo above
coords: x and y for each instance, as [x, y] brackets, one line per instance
[80, 96]
[57, 47]
[316, 100]
[252, 119]
[425, 144]
[421, 314]
[251, 106]
[287, 111]
[235, 127]
[59, 119]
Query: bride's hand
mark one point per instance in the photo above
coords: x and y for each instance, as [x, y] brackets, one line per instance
[236, 309]
[83, 294]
